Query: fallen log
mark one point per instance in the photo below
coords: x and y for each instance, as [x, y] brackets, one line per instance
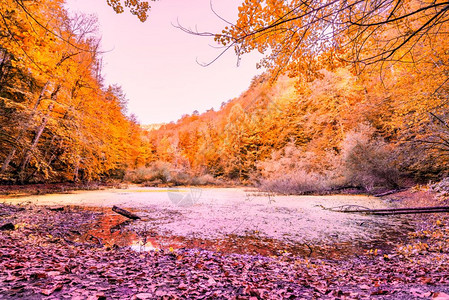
[392, 211]
[125, 213]
[56, 208]
[389, 192]
[405, 212]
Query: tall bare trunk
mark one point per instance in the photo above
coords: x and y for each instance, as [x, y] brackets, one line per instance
[23, 130]
[39, 132]
[38, 135]
[77, 170]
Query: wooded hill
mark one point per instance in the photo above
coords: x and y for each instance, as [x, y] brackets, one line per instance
[335, 130]
[366, 105]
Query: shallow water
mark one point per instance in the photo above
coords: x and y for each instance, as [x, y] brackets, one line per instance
[232, 220]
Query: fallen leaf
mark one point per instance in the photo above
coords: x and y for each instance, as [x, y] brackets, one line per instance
[364, 287]
[211, 281]
[379, 292]
[440, 296]
[47, 292]
[416, 292]
[143, 296]
[182, 286]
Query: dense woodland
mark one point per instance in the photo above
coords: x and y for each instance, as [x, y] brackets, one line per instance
[58, 121]
[363, 104]
[335, 131]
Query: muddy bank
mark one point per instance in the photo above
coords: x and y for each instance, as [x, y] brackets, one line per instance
[16, 190]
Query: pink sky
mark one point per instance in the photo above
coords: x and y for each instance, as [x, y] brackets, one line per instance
[155, 63]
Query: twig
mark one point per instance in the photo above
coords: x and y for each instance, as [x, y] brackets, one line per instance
[310, 248]
[390, 192]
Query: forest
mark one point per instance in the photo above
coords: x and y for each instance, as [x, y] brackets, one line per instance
[369, 119]
[326, 179]
[59, 122]
[337, 130]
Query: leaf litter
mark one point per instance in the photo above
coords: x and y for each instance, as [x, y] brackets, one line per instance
[84, 253]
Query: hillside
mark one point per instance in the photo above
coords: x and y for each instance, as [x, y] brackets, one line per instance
[299, 136]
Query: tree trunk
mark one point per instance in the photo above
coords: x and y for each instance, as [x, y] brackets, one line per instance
[8, 159]
[11, 154]
[39, 132]
[392, 211]
[3, 68]
[76, 170]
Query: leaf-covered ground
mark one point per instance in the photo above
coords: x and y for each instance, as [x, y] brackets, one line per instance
[47, 254]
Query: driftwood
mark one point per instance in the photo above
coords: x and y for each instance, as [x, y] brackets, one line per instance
[56, 208]
[125, 213]
[388, 211]
[389, 192]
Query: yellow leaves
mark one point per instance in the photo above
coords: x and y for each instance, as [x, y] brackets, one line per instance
[414, 248]
[31, 44]
[334, 33]
[136, 7]
[373, 252]
[20, 226]
[88, 133]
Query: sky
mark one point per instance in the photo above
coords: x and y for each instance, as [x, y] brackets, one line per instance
[156, 63]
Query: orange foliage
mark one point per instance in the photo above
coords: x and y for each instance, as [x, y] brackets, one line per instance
[58, 122]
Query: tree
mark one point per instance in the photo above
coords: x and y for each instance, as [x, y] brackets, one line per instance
[305, 35]
[57, 120]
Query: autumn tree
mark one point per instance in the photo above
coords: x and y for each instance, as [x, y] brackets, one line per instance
[58, 121]
[300, 36]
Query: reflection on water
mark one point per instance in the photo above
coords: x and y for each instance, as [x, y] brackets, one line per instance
[128, 191]
[111, 230]
[140, 246]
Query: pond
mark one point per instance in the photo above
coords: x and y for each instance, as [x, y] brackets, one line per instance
[236, 220]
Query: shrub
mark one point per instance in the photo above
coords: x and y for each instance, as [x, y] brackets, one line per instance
[158, 172]
[364, 161]
[368, 161]
[292, 171]
[441, 187]
[163, 173]
[206, 179]
[296, 183]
